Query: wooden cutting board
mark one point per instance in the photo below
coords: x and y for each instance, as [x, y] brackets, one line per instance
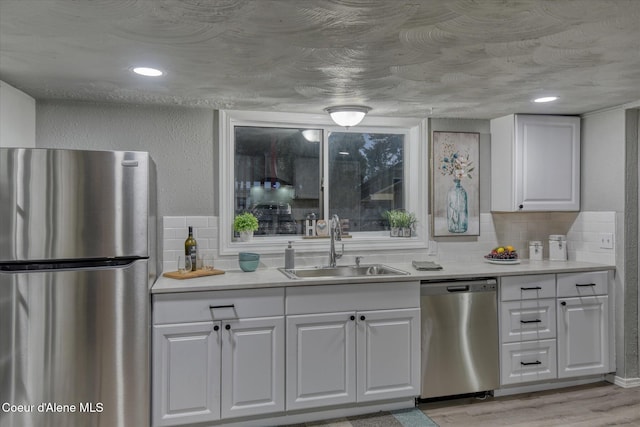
[192, 274]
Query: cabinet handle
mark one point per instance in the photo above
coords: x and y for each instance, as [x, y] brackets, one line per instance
[584, 285]
[531, 321]
[537, 362]
[534, 288]
[227, 326]
[216, 328]
[352, 317]
[563, 303]
[221, 306]
[362, 318]
[520, 207]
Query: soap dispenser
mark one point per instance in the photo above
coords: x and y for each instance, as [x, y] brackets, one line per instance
[289, 257]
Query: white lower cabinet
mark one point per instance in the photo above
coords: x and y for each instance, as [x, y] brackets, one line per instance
[252, 367]
[321, 360]
[388, 342]
[241, 355]
[186, 373]
[212, 361]
[350, 356]
[569, 335]
[213, 370]
[528, 361]
[346, 357]
[583, 336]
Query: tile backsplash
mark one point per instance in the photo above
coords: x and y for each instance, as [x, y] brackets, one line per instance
[582, 229]
[517, 229]
[205, 231]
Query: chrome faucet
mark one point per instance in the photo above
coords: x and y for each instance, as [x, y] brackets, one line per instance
[336, 234]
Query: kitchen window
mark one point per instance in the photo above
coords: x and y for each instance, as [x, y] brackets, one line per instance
[287, 168]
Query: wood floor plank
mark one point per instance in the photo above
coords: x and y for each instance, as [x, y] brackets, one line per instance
[599, 404]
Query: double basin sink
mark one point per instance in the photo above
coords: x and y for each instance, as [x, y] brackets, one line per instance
[341, 271]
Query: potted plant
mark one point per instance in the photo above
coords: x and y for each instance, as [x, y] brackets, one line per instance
[245, 224]
[401, 222]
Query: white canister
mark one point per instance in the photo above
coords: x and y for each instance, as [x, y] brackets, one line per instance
[535, 250]
[558, 247]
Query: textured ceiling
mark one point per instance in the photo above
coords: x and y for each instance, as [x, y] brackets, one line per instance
[439, 58]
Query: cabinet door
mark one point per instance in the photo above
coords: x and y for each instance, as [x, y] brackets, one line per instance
[388, 354]
[252, 366]
[321, 360]
[583, 336]
[186, 373]
[547, 163]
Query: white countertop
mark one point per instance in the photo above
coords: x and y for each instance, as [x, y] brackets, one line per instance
[272, 277]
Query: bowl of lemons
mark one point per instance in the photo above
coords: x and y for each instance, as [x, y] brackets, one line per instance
[503, 255]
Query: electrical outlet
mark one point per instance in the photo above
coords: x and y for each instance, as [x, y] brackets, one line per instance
[606, 240]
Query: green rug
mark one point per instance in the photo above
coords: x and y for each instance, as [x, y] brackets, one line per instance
[412, 417]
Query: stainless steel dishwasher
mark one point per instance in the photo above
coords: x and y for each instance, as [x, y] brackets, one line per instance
[460, 353]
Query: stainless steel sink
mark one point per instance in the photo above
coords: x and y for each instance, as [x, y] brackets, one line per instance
[341, 271]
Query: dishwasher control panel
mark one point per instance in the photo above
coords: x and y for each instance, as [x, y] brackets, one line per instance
[453, 286]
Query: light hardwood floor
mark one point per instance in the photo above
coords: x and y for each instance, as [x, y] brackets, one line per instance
[599, 404]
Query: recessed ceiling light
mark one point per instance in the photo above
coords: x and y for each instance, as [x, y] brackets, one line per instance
[147, 71]
[546, 99]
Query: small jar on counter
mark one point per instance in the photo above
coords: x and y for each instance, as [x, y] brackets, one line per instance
[558, 247]
[535, 250]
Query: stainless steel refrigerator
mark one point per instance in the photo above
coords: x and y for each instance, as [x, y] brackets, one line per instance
[77, 259]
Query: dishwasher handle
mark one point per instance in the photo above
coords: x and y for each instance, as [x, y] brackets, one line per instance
[460, 288]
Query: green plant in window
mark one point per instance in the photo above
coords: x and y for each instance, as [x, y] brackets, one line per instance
[400, 218]
[245, 222]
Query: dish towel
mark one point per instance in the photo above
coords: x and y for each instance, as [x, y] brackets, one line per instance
[426, 265]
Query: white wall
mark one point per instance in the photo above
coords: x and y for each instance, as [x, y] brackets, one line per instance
[17, 118]
[179, 139]
[602, 161]
[603, 154]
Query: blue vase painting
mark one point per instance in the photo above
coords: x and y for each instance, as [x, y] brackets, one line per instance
[457, 211]
[455, 184]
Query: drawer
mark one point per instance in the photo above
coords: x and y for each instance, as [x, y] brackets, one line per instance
[360, 297]
[217, 305]
[527, 320]
[528, 362]
[583, 284]
[528, 287]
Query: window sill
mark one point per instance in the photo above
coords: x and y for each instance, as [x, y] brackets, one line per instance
[358, 242]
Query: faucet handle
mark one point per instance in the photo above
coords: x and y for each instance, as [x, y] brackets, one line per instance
[358, 259]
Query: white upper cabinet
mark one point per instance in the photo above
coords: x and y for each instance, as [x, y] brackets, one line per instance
[535, 163]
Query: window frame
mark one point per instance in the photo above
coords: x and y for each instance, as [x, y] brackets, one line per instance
[416, 172]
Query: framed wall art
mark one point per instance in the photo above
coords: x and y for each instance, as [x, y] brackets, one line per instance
[455, 187]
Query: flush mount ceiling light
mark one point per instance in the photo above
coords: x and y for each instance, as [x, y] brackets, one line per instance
[147, 71]
[347, 115]
[545, 99]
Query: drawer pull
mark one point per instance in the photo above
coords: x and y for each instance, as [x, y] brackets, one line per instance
[531, 321]
[537, 362]
[584, 285]
[225, 315]
[534, 288]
